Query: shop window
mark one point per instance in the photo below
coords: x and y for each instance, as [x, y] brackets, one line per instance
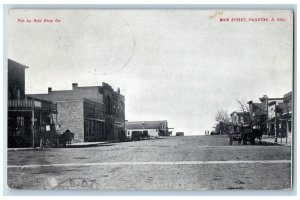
[18, 94]
[20, 121]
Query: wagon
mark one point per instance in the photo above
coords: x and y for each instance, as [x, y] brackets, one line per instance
[136, 135]
[243, 134]
[49, 139]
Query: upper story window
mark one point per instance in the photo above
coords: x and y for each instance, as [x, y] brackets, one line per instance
[242, 119]
[18, 93]
[108, 106]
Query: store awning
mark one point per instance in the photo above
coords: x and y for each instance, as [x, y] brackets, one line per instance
[95, 119]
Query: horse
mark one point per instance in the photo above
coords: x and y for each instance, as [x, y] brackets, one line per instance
[44, 140]
[69, 136]
[66, 138]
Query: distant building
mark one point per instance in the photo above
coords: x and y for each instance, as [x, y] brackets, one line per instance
[153, 128]
[257, 109]
[240, 118]
[259, 114]
[29, 117]
[238, 121]
[179, 133]
[95, 113]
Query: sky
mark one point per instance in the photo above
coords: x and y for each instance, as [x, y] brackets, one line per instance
[176, 65]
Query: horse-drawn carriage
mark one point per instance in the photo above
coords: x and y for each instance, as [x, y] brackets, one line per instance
[53, 138]
[243, 134]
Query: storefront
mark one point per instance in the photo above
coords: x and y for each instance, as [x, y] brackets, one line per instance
[94, 130]
[28, 120]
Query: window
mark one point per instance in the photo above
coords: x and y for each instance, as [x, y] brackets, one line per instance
[108, 105]
[18, 94]
[20, 122]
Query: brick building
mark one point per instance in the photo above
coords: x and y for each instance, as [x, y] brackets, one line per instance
[95, 113]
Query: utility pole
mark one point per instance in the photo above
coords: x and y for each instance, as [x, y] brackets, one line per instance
[276, 129]
[95, 73]
[32, 125]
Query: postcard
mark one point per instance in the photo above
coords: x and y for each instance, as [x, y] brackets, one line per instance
[150, 99]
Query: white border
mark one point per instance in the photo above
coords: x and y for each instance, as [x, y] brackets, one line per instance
[142, 2]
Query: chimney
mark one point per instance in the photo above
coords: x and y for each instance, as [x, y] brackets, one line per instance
[118, 90]
[264, 98]
[74, 85]
[49, 89]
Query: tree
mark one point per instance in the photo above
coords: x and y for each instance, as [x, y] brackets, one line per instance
[222, 116]
[244, 106]
[223, 120]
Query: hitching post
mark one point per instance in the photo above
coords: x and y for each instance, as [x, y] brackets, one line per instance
[32, 122]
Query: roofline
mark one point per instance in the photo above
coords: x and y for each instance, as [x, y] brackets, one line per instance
[288, 94]
[146, 121]
[33, 96]
[70, 90]
[240, 112]
[18, 64]
[38, 99]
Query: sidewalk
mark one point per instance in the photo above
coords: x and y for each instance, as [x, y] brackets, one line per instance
[87, 144]
[73, 145]
[280, 141]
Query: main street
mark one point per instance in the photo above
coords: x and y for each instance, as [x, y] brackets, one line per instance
[170, 163]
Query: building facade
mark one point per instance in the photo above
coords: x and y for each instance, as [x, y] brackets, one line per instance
[280, 111]
[240, 118]
[239, 122]
[259, 114]
[16, 80]
[153, 128]
[95, 113]
[286, 113]
[28, 118]
[278, 114]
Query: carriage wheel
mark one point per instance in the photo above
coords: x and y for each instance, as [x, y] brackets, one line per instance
[240, 141]
[244, 141]
[252, 141]
[41, 143]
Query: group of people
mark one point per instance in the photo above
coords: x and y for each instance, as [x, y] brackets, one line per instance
[207, 132]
